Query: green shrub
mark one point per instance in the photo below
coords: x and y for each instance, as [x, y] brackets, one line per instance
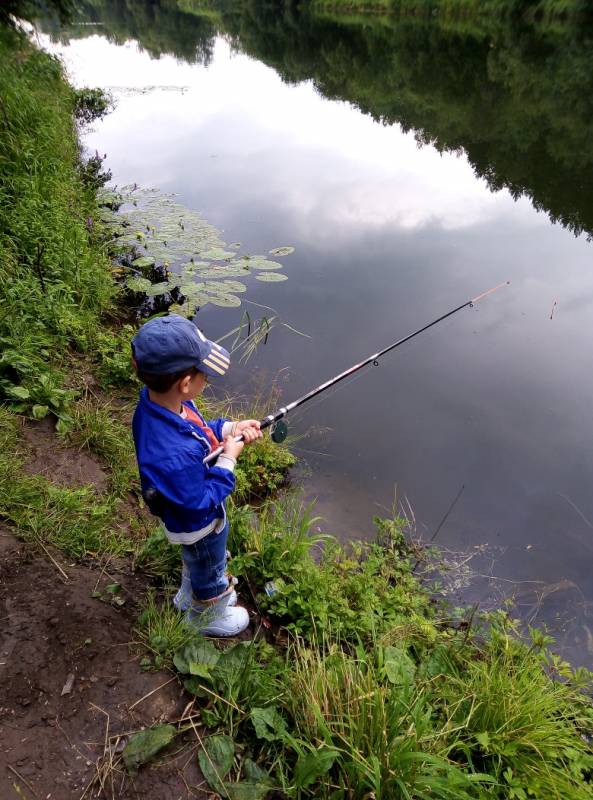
[513, 719]
[320, 586]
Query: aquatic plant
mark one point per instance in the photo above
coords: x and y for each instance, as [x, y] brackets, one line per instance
[198, 264]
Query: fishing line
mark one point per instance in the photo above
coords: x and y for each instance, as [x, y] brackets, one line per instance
[275, 421]
[331, 392]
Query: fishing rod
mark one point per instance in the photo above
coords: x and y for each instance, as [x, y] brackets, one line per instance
[279, 429]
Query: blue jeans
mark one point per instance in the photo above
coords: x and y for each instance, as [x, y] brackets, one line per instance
[206, 561]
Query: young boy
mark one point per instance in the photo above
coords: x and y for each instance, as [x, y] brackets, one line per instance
[174, 360]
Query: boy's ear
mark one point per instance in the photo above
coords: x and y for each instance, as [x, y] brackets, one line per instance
[183, 384]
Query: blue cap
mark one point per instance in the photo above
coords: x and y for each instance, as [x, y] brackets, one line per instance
[165, 345]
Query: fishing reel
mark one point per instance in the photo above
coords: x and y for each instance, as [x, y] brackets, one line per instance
[278, 431]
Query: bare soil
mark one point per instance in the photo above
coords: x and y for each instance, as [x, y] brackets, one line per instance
[62, 465]
[69, 672]
[53, 631]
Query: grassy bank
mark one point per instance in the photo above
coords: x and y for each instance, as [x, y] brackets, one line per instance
[357, 683]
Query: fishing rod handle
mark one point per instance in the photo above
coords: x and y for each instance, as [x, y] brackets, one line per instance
[265, 423]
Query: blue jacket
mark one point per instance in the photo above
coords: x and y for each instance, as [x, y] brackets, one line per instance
[170, 450]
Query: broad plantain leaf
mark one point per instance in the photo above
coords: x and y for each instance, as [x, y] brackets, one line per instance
[216, 760]
[39, 411]
[313, 765]
[196, 652]
[268, 723]
[142, 746]
[245, 790]
[18, 392]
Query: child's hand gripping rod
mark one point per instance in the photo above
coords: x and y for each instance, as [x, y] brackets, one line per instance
[282, 412]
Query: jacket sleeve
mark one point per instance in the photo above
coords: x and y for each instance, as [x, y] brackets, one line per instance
[216, 426]
[189, 483]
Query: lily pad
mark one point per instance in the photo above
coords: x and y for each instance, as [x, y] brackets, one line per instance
[234, 286]
[223, 272]
[222, 287]
[259, 262]
[137, 284]
[281, 251]
[225, 300]
[144, 261]
[160, 288]
[271, 277]
[217, 254]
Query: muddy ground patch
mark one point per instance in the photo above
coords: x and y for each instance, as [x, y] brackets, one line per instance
[55, 636]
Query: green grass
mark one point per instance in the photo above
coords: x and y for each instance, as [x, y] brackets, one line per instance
[54, 278]
[105, 431]
[76, 520]
[162, 631]
[517, 724]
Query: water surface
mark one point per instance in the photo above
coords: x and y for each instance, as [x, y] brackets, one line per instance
[413, 164]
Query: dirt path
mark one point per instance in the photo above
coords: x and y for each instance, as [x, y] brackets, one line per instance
[54, 632]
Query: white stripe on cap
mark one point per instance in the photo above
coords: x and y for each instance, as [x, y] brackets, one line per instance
[212, 365]
[220, 359]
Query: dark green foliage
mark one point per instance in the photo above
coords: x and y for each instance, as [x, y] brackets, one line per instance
[91, 104]
[262, 470]
[63, 10]
[54, 283]
[321, 588]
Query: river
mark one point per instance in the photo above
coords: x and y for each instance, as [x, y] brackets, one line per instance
[412, 163]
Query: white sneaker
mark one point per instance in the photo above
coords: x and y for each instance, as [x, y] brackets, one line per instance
[182, 599]
[218, 617]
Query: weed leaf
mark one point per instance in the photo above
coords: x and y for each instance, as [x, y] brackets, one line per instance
[313, 765]
[399, 667]
[246, 791]
[196, 653]
[268, 724]
[39, 411]
[144, 745]
[216, 759]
